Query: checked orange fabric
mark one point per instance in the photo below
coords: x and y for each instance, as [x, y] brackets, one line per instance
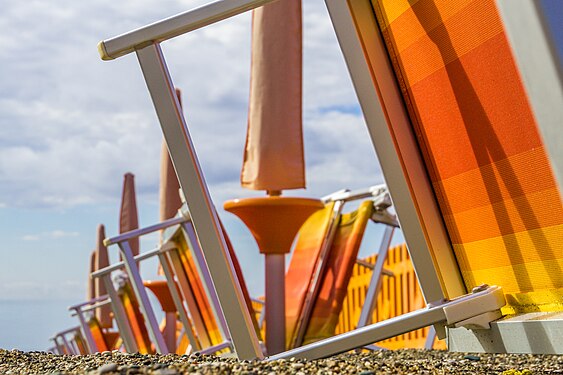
[480, 144]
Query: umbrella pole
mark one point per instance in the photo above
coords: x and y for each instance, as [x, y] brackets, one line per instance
[275, 303]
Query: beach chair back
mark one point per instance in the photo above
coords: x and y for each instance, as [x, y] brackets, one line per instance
[207, 325]
[135, 319]
[202, 316]
[481, 146]
[304, 262]
[98, 334]
[343, 254]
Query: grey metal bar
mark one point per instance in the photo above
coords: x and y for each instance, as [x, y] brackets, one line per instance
[536, 55]
[96, 305]
[199, 202]
[481, 305]
[120, 317]
[351, 195]
[430, 337]
[92, 301]
[407, 180]
[141, 293]
[366, 335]
[120, 265]
[375, 281]
[206, 279]
[173, 26]
[66, 331]
[275, 303]
[146, 230]
[59, 347]
[67, 345]
[90, 343]
[178, 301]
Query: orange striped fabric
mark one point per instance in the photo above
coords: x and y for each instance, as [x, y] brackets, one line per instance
[98, 334]
[80, 344]
[334, 282]
[399, 294]
[304, 261]
[480, 143]
[212, 329]
[135, 319]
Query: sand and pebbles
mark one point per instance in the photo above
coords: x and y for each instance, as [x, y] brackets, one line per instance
[379, 362]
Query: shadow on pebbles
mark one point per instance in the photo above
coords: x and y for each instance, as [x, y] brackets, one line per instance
[378, 362]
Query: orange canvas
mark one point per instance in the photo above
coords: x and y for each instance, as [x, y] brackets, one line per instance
[480, 144]
[304, 261]
[135, 319]
[334, 283]
[398, 294]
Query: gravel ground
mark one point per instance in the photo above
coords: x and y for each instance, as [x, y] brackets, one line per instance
[378, 362]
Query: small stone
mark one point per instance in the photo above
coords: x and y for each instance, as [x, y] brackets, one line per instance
[471, 357]
[107, 368]
[165, 371]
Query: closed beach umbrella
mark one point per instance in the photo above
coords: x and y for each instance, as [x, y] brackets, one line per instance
[170, 200]
[128, 217]
[273, 155]
[102, 261]
[91, 289]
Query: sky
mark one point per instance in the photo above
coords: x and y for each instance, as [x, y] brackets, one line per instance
[71, 125]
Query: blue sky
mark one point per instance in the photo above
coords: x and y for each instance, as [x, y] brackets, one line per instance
[72, 125]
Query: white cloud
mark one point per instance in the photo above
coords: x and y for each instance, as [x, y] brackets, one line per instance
[54, 234]
[75, 124]
[61, 234]
[41, 290]
[30, 237]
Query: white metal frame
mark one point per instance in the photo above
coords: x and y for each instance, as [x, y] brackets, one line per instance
[541, 71]
[170, 260]
[396, 147]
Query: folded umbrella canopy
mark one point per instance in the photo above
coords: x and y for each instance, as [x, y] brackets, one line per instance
[170, 201]
[101, 261]
[128, 217]
[273, 155]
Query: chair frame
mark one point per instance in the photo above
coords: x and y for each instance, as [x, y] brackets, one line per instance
[401, 163]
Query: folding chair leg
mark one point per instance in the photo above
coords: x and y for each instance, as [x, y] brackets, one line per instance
[375, 282]
[429, 343]
[120, 318]
[198, 199]
[178, 301]
[206, 278]
[89, 339]
[142, 296]
[482, 306]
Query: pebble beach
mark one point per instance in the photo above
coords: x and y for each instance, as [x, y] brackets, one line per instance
[407, 361]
